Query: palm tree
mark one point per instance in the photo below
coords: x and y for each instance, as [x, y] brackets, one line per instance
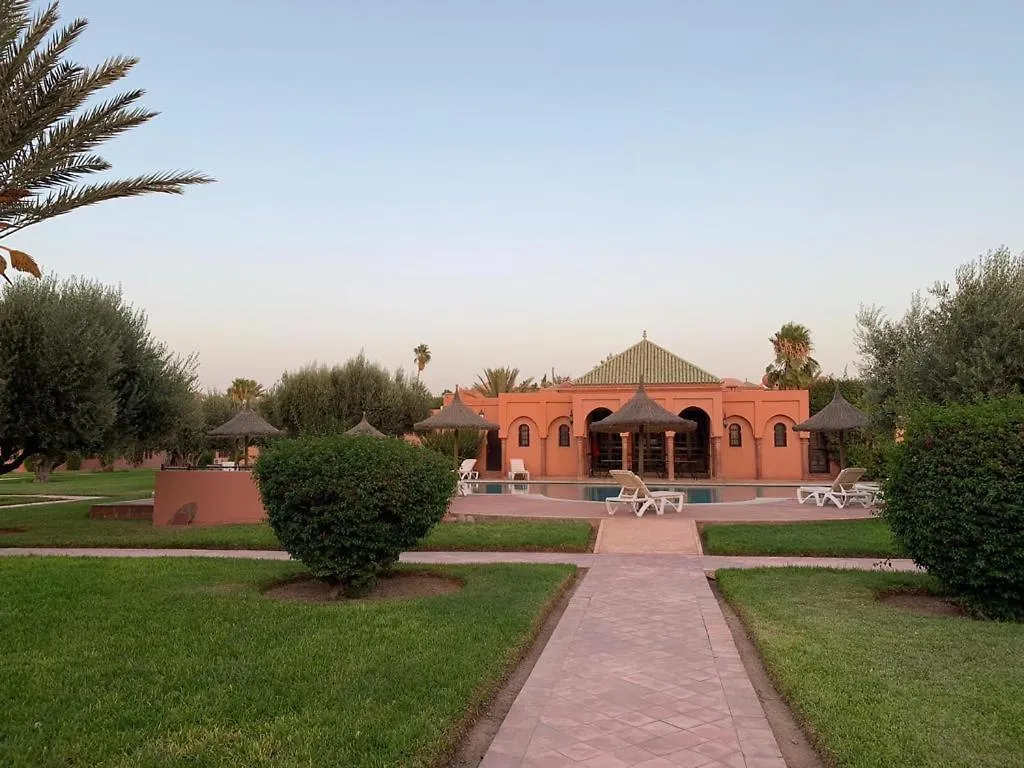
[48, 136]
[495, 381]
[793, 368]
[422, 353]
[245, 392]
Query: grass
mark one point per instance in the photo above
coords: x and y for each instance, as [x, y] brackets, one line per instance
[6, 501]
[877, 686]
[126, 484]
[183, 663]
[825, 538]
[68, 525]
[512, 536]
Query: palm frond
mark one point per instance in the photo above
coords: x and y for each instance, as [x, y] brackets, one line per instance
[48, 134]
[69, 199]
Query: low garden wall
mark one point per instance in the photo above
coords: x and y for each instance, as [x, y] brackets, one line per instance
[206, 498]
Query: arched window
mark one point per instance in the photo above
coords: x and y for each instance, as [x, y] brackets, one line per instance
[780, 435]
[563, 436]
[735, 436]
[524, 435]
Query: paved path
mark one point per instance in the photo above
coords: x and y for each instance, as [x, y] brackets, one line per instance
[755, 511]
[640, 671]
[586, 560]
[654, 534]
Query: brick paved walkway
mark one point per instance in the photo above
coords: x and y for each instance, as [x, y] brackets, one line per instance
[654, 534]
[641, 671]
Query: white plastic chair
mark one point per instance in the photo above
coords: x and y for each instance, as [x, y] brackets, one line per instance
[467, 470]
[634, 493]
[843, 490]
[517, 470]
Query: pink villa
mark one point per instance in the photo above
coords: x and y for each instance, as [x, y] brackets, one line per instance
[744, 431]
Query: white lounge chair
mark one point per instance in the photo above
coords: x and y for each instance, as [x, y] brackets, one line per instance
[842, 491]
[634, 493]
[517, 470]
[467, 470]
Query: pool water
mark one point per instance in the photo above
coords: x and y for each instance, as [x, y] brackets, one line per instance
[695, 494]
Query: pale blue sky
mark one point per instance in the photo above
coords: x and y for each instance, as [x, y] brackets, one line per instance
[535, 183]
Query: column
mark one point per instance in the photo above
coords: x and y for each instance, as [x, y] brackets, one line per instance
[504, 457]
[805, 467]
[543, 457]
[670, 454]
[581, 456]
[716, 457]
[757, 457]
[627, 445]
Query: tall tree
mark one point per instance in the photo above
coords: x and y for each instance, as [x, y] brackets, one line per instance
[245, 392]
[52, 119]
[321, 400]
[955, 344]
[80, 372]
[495, 381]
[422, 353]
[793, 367]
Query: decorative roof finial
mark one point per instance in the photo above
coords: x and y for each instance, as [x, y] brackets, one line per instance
[645, 334]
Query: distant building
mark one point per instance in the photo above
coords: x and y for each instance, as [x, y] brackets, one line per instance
[743, 430]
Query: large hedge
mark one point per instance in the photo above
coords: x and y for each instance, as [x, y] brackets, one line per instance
[347, 507]
[955, 501]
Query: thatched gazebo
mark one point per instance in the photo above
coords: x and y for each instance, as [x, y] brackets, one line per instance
[245, 424]
[364, 429]
[456, 415]
[641, 414]
[838, 416]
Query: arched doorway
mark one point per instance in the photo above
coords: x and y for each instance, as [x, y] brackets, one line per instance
[693, 449]
[493, 451]
[605, 447]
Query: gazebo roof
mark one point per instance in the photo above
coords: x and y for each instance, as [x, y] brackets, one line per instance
[245, 423]
[455, 415]
[364, 429]
[838, 416]
[646, 362]
[642, 411]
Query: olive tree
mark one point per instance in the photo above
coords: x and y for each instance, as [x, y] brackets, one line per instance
[959, 343]
[80, 372]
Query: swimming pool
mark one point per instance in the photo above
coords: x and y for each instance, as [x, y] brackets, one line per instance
[695, 494]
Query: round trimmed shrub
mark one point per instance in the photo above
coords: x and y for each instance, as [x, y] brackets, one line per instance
[955, 501]
[347, 507]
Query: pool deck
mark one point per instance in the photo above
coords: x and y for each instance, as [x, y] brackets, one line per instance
[764, 510]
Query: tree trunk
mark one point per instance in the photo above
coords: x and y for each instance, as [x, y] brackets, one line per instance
[44, 466]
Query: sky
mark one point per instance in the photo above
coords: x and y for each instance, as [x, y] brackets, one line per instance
[536, 184]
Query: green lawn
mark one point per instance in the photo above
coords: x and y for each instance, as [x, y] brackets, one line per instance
[185, 663]
[68, 525]
[825, 538]
[6, 501]
[877, 686]
[125, 484]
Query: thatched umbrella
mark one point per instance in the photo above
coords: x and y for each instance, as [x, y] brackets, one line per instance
[456, 415]
[641, 414]
[838, 416]
[245, 424]
[365, 429]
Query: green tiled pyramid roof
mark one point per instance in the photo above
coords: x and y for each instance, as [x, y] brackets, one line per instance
[647, 362]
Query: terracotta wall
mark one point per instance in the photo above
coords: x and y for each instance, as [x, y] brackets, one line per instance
[739, 463]
[531, 454]
[781, 462]
[206, 498]
[561, 460]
